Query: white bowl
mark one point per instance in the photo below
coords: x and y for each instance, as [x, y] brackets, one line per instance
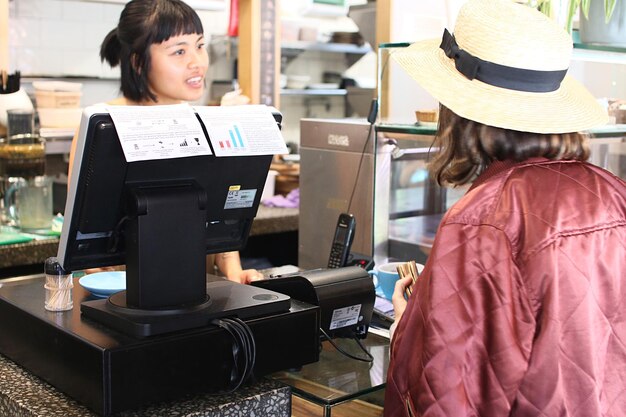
[298, 82]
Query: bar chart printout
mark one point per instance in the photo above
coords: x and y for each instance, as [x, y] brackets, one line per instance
[242, 130]
[230, 137]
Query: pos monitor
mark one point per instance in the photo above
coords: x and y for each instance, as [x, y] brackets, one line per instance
[161, 218]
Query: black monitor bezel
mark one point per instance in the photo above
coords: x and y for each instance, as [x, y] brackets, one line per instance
[89, 192]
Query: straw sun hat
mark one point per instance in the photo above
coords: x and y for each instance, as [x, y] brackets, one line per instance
[514, 59]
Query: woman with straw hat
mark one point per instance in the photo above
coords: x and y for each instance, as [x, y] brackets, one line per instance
[520, 310]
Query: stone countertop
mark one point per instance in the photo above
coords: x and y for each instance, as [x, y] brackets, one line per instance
[269, 220]
[274, 220]
[24, 395]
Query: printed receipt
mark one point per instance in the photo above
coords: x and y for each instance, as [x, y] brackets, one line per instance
[159, 132]
[242, 130]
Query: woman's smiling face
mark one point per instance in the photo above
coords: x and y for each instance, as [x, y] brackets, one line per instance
[178, 68]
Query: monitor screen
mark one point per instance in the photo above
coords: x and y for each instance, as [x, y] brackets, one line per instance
[158, 217]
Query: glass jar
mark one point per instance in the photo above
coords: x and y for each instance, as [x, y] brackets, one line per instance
[58, 286]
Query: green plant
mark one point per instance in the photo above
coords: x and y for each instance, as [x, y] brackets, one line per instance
[546, 7]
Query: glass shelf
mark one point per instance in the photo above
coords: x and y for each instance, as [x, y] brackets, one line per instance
[575, 37]
[607, 131]
[595, 47]
[582, 51]
[343, 48]
[334, 380]
[599, 53]
[414, 129]
[390, 45]
[313, 92]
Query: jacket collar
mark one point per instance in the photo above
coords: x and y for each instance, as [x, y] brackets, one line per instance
[498, 167]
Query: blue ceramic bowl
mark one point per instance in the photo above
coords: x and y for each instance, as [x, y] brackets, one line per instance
[103, 284]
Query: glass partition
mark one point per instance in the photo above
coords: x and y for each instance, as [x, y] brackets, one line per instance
[408, 205]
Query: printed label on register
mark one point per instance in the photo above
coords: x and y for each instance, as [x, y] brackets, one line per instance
[159, 132]
[346, 316]
[239, 199]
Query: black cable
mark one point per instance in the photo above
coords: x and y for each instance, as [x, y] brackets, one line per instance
[369, 355]
[250, 344]
[243, 349]
[358, 171]
[114, 239]
[368, 359]
[371, 118]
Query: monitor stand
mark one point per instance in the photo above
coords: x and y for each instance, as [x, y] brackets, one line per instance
[224, 299]
[166, 288]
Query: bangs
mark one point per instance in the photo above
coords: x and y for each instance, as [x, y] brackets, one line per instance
[174, 20]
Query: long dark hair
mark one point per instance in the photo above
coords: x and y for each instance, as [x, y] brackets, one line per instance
[143, 23]
[466, 148]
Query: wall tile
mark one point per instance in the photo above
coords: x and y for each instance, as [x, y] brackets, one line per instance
[111, 13]
[50, 61]
[24, 32]
[81, 11]
[94, 33]
[38, 8]
[46, 36]
[57, 33]
[78, 62]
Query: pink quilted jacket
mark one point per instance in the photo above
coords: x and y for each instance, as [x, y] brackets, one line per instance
[521, 309]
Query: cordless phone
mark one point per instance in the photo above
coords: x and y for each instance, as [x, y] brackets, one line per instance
[344, 235]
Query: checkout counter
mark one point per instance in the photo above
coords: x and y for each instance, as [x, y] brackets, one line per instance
[111, 373]
[171, 333]
[24, 395]
[334, 385]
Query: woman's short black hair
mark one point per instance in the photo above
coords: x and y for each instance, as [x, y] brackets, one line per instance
[142, 24]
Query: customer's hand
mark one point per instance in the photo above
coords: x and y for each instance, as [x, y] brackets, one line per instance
[397, 299]
[246, 276]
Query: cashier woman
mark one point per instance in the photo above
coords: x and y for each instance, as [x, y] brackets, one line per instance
[160, 48]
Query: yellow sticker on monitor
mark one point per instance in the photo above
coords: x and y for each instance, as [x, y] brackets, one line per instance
[234, 188]
[237, 199]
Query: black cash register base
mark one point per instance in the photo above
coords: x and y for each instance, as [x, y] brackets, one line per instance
[156, 340]
[109, 371]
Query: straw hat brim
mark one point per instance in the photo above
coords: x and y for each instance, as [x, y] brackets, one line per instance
[571, 108]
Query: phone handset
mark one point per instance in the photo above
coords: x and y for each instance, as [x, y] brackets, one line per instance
[342, 240]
